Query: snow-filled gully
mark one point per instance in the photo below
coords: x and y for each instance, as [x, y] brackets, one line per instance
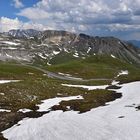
[117, 121]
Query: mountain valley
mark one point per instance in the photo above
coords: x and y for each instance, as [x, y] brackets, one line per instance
[46, 72]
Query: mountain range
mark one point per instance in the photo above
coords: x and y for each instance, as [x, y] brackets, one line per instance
[49, 46]
[40, 66]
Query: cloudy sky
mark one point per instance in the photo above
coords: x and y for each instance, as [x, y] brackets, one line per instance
[120, 18]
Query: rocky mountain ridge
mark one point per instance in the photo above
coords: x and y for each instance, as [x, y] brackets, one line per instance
[31, 45]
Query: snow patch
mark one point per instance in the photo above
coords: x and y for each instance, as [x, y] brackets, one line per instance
[66, 50]
[10, 43]
[56, 52]
[8, 81]
[5, 110]
[47, 104]
[44, 74]
[76, 54]
[2, 94]
[123, 72]
[115, 121]
[87, 87]
[10, 48]
[113, 56]
[24, 110]
[89, 49]
[115, 82]
[9, 55]
[30, 73]
[41, 55]
[119, 42]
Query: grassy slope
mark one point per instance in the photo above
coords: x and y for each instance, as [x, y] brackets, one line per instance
[35, 87]
[62, 58]
[32, 88]
[15, 71]
[97, 67]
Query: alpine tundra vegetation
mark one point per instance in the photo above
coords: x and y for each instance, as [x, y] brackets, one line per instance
[69, 70]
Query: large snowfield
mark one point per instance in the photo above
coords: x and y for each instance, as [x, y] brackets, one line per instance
[119, 120]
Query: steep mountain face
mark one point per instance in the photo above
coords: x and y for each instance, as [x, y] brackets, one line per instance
[31, 46]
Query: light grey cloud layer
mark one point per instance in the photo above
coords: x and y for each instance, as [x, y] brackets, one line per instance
[97, 17]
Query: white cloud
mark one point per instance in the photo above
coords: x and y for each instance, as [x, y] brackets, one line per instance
[96, 17]
[7, 24]
[34, 13]
[82, 11]
[36, 26]
[18, 4]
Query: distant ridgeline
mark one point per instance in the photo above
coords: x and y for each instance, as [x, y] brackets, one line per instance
[45, 46]
[135, 42]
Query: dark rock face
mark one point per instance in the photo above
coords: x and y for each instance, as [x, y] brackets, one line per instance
[31, 44]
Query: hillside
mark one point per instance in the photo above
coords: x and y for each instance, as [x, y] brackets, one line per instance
[48, 72]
